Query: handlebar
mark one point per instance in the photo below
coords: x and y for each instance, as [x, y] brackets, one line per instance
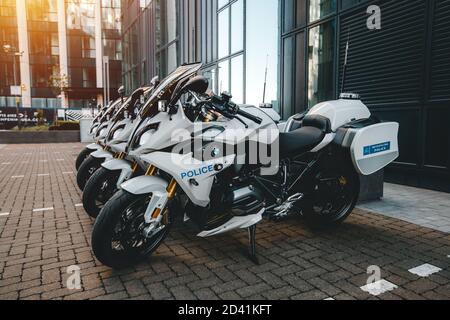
[249, 116]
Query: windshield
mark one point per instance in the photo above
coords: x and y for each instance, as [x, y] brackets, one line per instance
[166, 89]
[111, 110]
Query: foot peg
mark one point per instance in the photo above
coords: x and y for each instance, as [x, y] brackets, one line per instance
[285, 210]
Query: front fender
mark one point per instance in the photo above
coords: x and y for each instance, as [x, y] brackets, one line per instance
[119, 165]
[94, 146]
[102, 154]
[116, 164]
[145, 184]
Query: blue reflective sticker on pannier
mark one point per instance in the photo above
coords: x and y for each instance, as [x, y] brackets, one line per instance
[377, 148]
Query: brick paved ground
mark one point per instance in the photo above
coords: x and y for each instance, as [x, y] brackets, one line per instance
[296, 263]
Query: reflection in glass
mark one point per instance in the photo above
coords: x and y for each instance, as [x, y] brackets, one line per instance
[321, 8]
[321, 63]
[237, 79]
[223, 77]
[237, 26]
[261, 49]
[223, 33]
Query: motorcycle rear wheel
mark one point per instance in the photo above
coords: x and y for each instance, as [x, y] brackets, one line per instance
[98, 190]
[117, 239]
[332, 197]
[87, 169]
[82, 156]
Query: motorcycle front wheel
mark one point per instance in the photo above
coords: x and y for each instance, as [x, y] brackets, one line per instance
[332, 197]
[118, 239]
[87, 169]
[82, 156]
[99, 189]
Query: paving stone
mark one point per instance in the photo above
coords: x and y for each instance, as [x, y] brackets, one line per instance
[296, 262]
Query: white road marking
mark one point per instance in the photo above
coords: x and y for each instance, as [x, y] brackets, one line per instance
[425, 270]
[6, 163]
[43, 209]
[17, 177]
[59, 160]
[68, 172]
[379, 287]
[5, 214]
[79, 205]
[43, 175]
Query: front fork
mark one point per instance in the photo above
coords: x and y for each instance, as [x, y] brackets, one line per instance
[154, 214]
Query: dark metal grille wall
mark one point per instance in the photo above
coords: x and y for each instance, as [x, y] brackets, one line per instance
[403, 73]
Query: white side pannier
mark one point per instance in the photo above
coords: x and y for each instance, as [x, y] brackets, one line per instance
[374, 147]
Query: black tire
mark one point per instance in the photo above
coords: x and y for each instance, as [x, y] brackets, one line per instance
[116, 210]
[87, 169]
[327, 208]
[98, 190]
[82, 156]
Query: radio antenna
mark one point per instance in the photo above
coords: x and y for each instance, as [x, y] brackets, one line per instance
[344, 71]
[265, 80]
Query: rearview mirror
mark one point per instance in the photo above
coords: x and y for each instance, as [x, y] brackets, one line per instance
[155, 81]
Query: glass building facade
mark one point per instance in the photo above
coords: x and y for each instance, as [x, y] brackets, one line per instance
[61, 51]
[8, 36]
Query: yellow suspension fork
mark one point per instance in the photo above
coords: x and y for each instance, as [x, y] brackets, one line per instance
[120, 156]
[171, 191]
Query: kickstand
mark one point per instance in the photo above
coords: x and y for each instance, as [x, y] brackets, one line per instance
[252, 244]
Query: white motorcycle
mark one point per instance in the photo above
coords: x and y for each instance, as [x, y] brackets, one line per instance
[113, 134]
[106, 181]
[216, 175]
[101, 121]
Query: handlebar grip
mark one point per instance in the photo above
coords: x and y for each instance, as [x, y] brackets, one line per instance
[247, 115]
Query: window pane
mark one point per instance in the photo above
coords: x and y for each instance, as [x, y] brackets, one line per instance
[237, 79]
[172, 58]
[288, 15]
[321, 8]
[211, 76]
[321, 63]
[223, 33]
[237, 26]
[223, 80]
[221, 3]
[261, 49]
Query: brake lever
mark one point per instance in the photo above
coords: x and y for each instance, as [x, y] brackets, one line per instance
[241, 121]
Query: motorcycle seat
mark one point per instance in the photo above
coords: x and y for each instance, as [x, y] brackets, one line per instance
[300, 141]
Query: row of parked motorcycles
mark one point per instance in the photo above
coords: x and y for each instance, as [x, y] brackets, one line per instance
[176, 152]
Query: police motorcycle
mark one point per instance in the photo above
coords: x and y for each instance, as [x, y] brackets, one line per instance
[100, 121]
[312, 171]
[106, 181]
[112, 135]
